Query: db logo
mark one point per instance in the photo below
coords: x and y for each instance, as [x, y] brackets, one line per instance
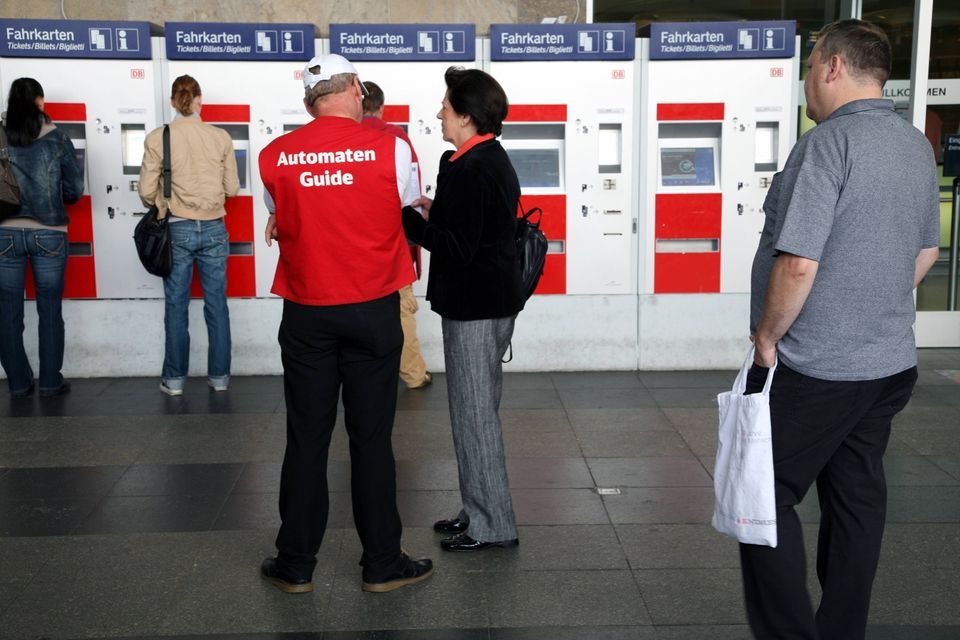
[298, 74]
[776, 72]
[618, 74]
[137, 74]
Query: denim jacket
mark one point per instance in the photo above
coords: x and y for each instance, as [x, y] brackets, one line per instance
[49, 176]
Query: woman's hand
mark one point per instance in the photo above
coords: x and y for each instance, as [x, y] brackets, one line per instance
[423, 203]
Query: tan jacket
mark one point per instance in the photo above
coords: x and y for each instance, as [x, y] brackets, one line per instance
[203, 169]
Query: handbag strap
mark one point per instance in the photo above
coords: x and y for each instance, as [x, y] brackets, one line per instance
[167, 177]
[4, 154]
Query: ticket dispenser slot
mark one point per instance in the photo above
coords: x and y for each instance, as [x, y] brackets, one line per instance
[610, 148]
[766, 147]
[132, 137]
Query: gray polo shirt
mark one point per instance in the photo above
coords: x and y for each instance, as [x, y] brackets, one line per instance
[859, 194]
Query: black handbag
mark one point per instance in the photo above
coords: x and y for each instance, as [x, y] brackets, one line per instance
[151, 234]
[9, 189]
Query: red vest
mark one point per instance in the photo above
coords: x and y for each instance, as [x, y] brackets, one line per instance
[334, 183]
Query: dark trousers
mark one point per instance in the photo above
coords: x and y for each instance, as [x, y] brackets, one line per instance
[355, 347]
[834, 434]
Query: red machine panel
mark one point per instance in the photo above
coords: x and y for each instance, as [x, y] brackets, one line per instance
[537, 113]
[396, 113]
[687, 216]
[690, 111]
[553, 223]
[225, 113]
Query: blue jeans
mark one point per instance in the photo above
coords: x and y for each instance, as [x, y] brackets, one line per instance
[47, 251]
[205, 241]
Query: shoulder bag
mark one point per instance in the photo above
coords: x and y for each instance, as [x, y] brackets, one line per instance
[9, 189]
[151, 234]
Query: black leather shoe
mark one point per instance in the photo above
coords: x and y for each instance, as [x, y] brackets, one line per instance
[410, 572]
[463, 542]
[272, 574]
[453, 525]
[64, 388]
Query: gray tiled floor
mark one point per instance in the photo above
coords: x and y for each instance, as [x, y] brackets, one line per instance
[127, 514]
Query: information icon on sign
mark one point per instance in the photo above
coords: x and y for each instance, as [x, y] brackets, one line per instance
[613, 41]
[748, 39]
[774, 39]
[101, 39]
[266, 41]
[587, 41]
[291, 41]
[128, 40]
[428, 41]
[454, 41]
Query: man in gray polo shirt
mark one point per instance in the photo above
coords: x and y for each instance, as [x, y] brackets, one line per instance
[851, 228]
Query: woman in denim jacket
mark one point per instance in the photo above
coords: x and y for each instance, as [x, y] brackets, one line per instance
[46, 169]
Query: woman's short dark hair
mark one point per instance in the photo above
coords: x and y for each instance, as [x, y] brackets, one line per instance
[477, 94]
[24, 117]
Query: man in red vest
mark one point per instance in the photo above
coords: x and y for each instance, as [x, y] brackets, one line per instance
[413, 369]
[336, 188]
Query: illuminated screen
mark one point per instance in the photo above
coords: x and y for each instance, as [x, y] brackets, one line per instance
[687, 166]
[536, 168]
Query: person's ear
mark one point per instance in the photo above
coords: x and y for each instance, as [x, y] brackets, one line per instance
[834, 67]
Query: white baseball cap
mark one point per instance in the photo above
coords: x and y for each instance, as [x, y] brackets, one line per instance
[329, 65]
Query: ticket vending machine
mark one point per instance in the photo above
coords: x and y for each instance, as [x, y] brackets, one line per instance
[408, 62]
[570, 134]
[251, 78]
[98, 79]
[718, 120]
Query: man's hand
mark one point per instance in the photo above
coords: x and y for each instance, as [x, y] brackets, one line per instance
[270, 234]
[764, 354]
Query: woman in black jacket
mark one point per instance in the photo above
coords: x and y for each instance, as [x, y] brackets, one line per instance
[475, 286]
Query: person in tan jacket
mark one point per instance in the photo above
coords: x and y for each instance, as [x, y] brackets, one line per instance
[204, 173]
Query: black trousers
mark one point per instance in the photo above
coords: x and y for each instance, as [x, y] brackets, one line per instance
[355, 347]
[834, 434]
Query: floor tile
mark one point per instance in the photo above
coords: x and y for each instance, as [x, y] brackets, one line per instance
[677, 546]
[64, 609]
[692, 596]
[936, 546]
[620, 443]
[44, 517]
[702, 632]
[541, 444]
[575, 633]
[444, 600]
[177, 479]
[916, 596]
[534, 420]
[920, 504]
[22, 558]
[558, 506]
[606, 398]
[714, 380]
[621, 380]
[686, 398]
[916, 471]
[950, 464]
[564, 598]
[681, 505]
[548, 473]
[686, 471]
[58, 483]
[146, 514]
[634, 419]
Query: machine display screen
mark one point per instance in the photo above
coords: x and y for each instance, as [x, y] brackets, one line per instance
[536, 168]
[687, 166]
[241, 155]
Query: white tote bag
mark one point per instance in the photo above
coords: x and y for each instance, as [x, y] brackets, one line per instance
[745, 505]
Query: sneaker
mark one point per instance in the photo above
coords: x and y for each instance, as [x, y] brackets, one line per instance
[272, 573]
[218, 385]
[410, 572]
[426, 382]
[169, 390]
